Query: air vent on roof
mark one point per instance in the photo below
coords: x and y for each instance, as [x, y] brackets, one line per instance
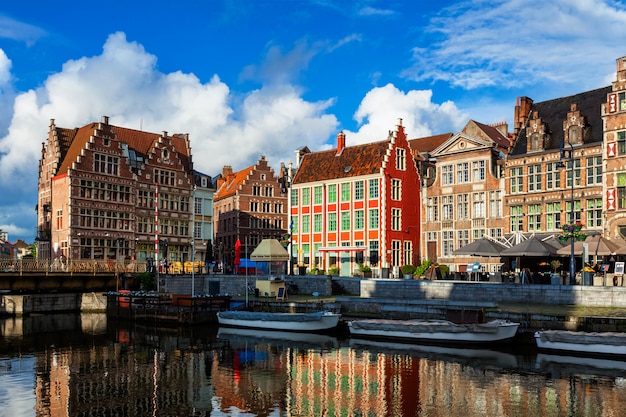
[347, 169]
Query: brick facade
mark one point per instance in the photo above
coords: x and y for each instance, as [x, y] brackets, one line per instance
[97, 195]
[249, 205]
[463, 194]
[357, 205]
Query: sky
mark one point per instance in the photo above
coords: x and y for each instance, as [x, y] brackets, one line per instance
[252, 78]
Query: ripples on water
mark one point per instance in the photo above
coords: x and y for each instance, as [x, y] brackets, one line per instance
[76, 366]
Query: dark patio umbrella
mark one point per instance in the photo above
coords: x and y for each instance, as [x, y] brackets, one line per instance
[596, 245]
[532, 246]
[481, 247]
[208, 255]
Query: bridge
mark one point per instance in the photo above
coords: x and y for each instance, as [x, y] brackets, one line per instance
[33, 275]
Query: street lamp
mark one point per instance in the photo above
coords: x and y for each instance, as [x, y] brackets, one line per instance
[120, 242]
[569, 155]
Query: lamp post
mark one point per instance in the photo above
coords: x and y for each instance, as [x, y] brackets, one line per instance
[565, 155]
[120, 241]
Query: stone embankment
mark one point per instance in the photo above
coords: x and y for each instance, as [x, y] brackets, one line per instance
[535, 306]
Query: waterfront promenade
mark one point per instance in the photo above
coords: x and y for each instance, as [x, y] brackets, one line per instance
[535, 305]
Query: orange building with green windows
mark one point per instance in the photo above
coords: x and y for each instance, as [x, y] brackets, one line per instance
[357, 206]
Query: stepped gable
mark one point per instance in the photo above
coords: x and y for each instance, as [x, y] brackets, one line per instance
[554, 113]
[352, 161]
[73, 141]
[65, 138]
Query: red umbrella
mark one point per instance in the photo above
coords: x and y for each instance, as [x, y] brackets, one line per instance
[237, 252]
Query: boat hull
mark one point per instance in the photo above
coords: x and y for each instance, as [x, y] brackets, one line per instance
[611, 344]
[293, 322]
[433, 332]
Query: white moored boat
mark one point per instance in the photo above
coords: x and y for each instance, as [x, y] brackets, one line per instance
[238, 335]
[299, 322]
[434, 331]
[601, 343]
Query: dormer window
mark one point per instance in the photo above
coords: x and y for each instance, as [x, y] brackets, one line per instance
[574, 135]
[535, 142]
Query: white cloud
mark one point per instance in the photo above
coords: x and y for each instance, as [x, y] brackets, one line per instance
[225, 127]
[6, 91]
[382, 106]
[514, 43]
[373, 11]
[18, 31]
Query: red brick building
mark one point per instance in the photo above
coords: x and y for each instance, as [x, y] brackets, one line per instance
[614, 155]
[463, 191]
[249, 205]
[97, 194]
[357, 205]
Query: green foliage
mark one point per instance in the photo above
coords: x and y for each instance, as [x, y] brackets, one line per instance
[408, 270]
[364, 268]
[333, 271]
[421, 270]
[556, 264]
[445, 270]
[146, 281]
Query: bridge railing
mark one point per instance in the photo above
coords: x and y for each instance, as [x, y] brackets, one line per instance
[69, 266]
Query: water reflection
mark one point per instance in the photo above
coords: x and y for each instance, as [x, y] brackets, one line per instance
[83, 366]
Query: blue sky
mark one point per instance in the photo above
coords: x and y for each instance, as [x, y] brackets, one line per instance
[265, 77]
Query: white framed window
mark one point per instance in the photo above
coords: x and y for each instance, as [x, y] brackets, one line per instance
[462, 173]
[534, 178]
[396, 219]
[478, 200]
[447, 175]
[478, 171]
[396, 189]
[517, 180]
[400, 159]
[462, 206]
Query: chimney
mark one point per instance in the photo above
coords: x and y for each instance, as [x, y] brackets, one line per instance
[522, 113]
[227, 171]
[502, 127]
[341, 143]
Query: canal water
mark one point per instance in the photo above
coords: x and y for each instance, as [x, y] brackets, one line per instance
[83, 365]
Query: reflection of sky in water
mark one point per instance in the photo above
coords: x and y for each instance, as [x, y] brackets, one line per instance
[17, 387]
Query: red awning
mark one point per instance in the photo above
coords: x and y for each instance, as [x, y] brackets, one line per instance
[343, 249]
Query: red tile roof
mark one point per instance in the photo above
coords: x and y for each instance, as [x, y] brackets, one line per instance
[428, 144]
[353, 161]
[495, 135]
[232, 184]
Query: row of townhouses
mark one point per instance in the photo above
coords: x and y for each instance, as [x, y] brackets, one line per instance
[111, 193]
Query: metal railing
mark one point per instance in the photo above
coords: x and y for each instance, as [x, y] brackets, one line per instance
[82, 266]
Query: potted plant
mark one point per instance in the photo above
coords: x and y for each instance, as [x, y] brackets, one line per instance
[366, 271]
[334, 271]
[408, 271]
[555, 278]
[421, 270]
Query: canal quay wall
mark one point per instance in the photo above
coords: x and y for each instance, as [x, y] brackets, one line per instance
[395, 298]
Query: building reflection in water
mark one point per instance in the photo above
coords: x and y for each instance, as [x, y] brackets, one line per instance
[121, 370]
